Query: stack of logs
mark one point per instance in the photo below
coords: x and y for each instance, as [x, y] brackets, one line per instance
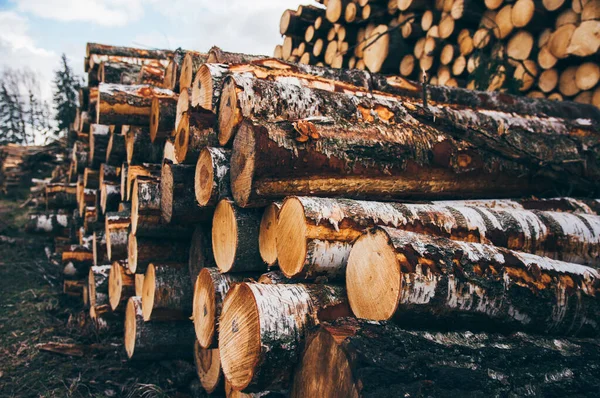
[546, 49]
[328, 231]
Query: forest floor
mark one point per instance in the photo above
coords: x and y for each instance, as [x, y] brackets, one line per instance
[35, 312]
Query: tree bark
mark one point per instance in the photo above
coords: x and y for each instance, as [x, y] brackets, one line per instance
[152, 341]
[565, 204]
[91, 178]
[143, 250]
[235, 238]
[152, 75]
[208, 369]
[99, 137]
[263, 328]
[167, 292]
[88, 199]
[127, 105]
[437, 364]
[117, 231]
[61, 196]
[110, 197]
[150, 170]
[162, 120]
[427, 280]
[218, 56]
[130, 52]
[99, 248]
[98, 288]
[76, 262]
[111, 72]
[211, 180]
[178, 202]
[210, 289]
[191, 63]
[116, 151]
[201, 255]
[172, 72]
[141, 149]
[274, 278]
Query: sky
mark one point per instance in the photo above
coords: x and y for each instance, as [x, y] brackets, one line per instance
[34, 33]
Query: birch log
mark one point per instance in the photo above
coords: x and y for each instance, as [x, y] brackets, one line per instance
[142, 251]
[99, 137]
[116, 151]
[267, 236]
[61, 196]
[76, 262]
[218, 56]
[191, 63]
[167, 294]
[98, 288]
[50, 223]
[423, 279]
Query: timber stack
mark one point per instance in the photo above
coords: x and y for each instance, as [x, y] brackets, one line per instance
[544, 49]
[256, 215]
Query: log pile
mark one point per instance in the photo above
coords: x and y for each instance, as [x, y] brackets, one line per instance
[544, 49]
[256, 216]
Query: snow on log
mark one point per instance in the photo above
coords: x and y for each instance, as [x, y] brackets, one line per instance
[116, 229]
[76, 262]
[50, 223]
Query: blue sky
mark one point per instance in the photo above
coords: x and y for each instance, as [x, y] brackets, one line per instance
[33, 33]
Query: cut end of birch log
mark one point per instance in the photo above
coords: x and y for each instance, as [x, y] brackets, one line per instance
[267, 237]
[208, 368]
[230, 114]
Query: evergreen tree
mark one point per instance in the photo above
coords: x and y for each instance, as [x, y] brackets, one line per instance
[66, 90]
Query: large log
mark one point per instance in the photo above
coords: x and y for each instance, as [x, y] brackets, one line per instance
[208, 368]
[211, 179]
[151, 341]
[424, 279]
[99, 137]
[267, 236]
[51, 223]
[168, 293]
[162, 118]
[177, 196]
[210, 290]
[235, 238]
[190, 65]
[61, 196]
[564, 204]
[76, 262]
[263, 327]
[121, 286]
[315, 235]
[127, 105]
[143, 250]
[116, 229]
[381, 360]
[201, 255]
[140, 148]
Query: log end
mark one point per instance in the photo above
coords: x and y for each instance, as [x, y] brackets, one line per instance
[208, 368]
[132, 253]
[242, 164]
[166, 192]
[291, 237]
[182, 138]
[224, 235]
[267, 243]
[239, 336]
[115, 285]
[148, 292]
[204, 309]
[373, 263]
[230, 114]
[132, 314]
[203, 180]
[154, 118]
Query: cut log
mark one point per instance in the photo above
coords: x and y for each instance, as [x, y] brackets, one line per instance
[359, 357]
[152, 341]
[201, 255]
[111, 72]
[162, 119]
[268, 234]
[116, 227]
[177, 196]
[173, 70]
[79, 156]
[567, 82]
[194, 133]
[116, 151]
[121, 286]
[152, 171]
[191, 63]
[520, 45]
[587, 75]
[150, 74]
[558, 44]
[76, 262]
[211, 179]
[127, 105]
[235, 238]
[99, 137]
[61, 196]
[218, 56]
[208, 368]
[167, 293]
[88, 199]
[110, 197]
[142, 251]
[103, 49]
[418, 279]
[90, 218]
[51, 223]
[91, 178]
[99, 248]
[263, 327]
[210, 290]
[141, 149]
[98, 288]
[552, 5]
[569, 205]
[139, 284]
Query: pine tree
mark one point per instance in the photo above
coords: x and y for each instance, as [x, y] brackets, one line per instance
[66, 89]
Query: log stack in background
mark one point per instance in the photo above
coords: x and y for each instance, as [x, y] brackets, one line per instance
[544, 49]
[244, 210]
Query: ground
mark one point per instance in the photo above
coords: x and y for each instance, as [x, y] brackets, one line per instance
[33, 311]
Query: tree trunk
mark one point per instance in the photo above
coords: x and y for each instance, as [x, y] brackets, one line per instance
[111, 72]
[268, 234]
[99, 248]
[568, 205]
[61, 196]
[426, 280]
[210, 290]
[116, 151]
[152, 341]
[235, 238]
[218, 56]
[167, 293]
[162, 120]
[110, 197]
[152, 75]
[315, 235]
[143, 251]
[121, 286]
[99, 137]
[263, 327]
[177, 196]
[130, 52]
[211, 180]
[191, 63]
[76, 262]
[141, 149]
[50, 223]
[208, 369]
[98, 287]
[437, 364]
[127, 105]
[117, 232]
[201, 255]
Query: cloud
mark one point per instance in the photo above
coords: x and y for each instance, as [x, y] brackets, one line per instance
[101, 12]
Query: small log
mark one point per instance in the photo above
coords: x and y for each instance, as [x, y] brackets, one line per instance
[151, 341]
[116, 229]
[88, 199]
[108, 173]
[177, 196]
[79, 156]
[99, 250]
[268, 234]
[201, 255]
[585, 40]
[263, 327]
[98, 288]
[127, 105]
[116, 151]
[191, 63]
[167, 292]
[140, 148]
[418, 279]
[218, 56]
[103, 49]
[90, 217]
[235, 238]
[111, 72]
[211, 180]
[162, 119]
[110, 197]
[139, 284]
[76, 262]
[194, 130]
[208, 369]
[142, 251]
[99, 137]
[51, 223]
[121, 286]
[145, 204]
[292, 24]
[171, 80]
[210, 290]
[61, 196]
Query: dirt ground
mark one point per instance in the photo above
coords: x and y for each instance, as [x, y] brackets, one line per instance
[33, 311]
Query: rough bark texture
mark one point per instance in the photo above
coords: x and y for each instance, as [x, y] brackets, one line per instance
[121, 286]
[168, 294]
[212, 162]
[141, 149]
[116, 152]
[98, 287]
[565, 204]
[111, 72]
[91, 178]
[142, 251]
[218, 56]
[151, 74]
[383, 360]
[110, 196]
[194, 133]
[178, 203]
[61, 196]
[116, 232]
[284, 315]
[157, 340]
[99, 137]
[162, 122]
[127, 105]
[479, 286]
[208, 369]
[201, 255]
[149, 170]
[103, 49]
[99, 248]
